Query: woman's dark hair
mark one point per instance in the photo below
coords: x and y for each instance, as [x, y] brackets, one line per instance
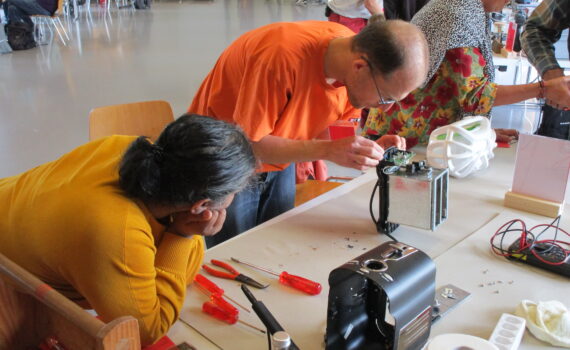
[379, 42]
[194, 158]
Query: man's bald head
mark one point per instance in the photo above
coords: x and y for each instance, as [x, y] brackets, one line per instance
[393, 45]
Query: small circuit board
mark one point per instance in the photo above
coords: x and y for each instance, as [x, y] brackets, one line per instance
[399, 157]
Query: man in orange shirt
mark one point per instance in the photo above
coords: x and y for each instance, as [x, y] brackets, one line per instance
[285, 83]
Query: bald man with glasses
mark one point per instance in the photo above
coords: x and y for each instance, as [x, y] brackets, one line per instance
[285, 83]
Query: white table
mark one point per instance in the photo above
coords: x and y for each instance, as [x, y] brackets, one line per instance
[324, 233]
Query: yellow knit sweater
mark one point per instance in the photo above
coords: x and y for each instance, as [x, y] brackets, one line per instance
[69, 223]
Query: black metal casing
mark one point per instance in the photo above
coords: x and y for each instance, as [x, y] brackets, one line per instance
[381, 300]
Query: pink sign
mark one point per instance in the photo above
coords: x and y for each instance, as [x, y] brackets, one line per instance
[542, 167]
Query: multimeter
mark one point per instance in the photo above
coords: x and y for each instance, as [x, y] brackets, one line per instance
[547, 251]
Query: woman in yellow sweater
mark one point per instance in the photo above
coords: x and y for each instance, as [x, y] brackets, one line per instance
[116, 224]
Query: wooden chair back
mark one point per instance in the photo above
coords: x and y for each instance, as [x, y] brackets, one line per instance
[136, 119]
[31, 311]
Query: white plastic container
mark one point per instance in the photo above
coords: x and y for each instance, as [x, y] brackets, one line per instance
[463, 147]
[508, 332]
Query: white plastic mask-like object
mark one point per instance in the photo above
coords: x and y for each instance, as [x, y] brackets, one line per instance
[464, 146]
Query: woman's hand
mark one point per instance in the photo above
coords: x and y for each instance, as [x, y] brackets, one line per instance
[387, 141]
[207, 223]
[506, 135]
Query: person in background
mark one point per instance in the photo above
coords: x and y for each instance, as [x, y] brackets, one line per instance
[460, 78]
[117, 224]
[21, 10]
[354, 14]
[285, 83]
[402, 9]
[542, 30]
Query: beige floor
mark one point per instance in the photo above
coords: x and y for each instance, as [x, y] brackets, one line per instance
[46, 93]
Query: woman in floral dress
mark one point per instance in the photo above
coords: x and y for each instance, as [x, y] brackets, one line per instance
[460, 80]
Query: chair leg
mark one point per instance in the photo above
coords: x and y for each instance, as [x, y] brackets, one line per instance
[46, 24]
[39, 30]
[62, 28]
[67, 8]
[54, 22]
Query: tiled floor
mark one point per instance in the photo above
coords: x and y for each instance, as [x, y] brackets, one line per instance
[126, 56]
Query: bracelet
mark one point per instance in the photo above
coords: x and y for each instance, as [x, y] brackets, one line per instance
[542, 89]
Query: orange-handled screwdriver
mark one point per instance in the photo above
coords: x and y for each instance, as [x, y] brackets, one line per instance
[224, 305]
[208, 285]
[205, 284]
[223, 311]
[297, 282]
[217, 312]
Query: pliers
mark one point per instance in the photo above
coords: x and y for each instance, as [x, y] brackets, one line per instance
[232, 275]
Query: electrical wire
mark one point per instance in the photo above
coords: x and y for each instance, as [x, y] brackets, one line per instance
[377, 187]
[530, 241]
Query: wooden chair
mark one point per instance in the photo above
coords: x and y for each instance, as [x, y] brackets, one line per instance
[41, 21]
[31, 311]
[150, 118]
[137, 119]
[312, 189]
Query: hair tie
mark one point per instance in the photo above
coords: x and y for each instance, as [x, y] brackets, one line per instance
[158, 153]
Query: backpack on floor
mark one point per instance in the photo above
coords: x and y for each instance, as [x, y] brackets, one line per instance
[20, 36]
[142, 4]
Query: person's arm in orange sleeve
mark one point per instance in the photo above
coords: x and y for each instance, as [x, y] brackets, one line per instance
[258, 108]
[353, 152]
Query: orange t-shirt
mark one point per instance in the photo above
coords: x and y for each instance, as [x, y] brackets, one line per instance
[271, 81]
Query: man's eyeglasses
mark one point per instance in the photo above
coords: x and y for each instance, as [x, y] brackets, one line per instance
[381, 100]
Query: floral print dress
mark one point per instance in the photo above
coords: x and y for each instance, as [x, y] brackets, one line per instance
[458, 88]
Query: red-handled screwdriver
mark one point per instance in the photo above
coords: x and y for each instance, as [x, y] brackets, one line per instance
[220, 309]
[224, 305]
[213, 288]
[297, 282]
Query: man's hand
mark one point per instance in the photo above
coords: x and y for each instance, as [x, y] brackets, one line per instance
[387, 141]
[557, 88]
[354, 152]
[506, 135]
[207, 223]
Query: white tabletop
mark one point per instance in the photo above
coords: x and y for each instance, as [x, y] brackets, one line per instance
[322, 234]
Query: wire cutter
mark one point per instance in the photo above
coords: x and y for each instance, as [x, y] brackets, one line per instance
[232, 275]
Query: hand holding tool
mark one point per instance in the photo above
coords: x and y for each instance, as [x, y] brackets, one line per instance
[297, 282]
[232, 275]
[206, 285]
